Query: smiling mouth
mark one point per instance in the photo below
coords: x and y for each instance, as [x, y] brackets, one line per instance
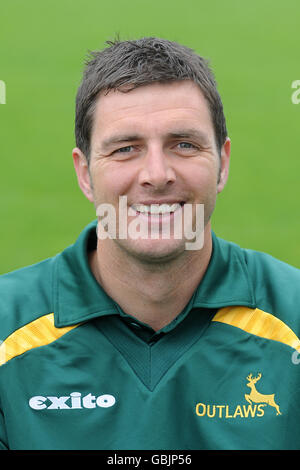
[157, 209]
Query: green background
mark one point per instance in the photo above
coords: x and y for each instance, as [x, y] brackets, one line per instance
[254, 50]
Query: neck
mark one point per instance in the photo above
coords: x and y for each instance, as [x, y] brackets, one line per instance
[153, 293]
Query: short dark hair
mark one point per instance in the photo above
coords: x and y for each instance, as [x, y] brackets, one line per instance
[125, 65]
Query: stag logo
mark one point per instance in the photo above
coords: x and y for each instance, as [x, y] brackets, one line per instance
[255, 397]
[255, 409]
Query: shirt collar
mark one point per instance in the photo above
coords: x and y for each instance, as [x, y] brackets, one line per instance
[77, 296]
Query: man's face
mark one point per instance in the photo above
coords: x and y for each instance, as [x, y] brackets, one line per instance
[154, 145]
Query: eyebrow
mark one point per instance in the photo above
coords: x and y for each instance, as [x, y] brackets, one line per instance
[188, 133]
[118, 139]
[176, 134]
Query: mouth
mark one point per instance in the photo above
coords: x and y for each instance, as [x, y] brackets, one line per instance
[156, 209]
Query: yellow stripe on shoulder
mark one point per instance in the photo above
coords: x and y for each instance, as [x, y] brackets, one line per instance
[259, 323]
[37, 333]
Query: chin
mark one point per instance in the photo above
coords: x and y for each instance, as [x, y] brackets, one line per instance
[154, 251]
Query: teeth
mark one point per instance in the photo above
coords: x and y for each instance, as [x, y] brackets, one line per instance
[156, 208]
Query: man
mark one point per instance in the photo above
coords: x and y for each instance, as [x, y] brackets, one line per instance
[142, 339]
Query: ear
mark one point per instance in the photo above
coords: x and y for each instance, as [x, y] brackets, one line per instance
[83, 175]
[224, 164]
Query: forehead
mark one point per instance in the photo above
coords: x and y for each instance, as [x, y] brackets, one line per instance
[156, 108]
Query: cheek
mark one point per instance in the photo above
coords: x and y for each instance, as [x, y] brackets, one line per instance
[110, 182]
[203, 181]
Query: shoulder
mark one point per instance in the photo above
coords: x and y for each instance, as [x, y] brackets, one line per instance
[275, 284]
[260, 265]
[25, 295]
[271, 275]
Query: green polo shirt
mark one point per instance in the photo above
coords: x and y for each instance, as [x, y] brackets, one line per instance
[76, 372]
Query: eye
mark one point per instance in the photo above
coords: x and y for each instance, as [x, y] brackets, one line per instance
[186, 146]
[124, 149]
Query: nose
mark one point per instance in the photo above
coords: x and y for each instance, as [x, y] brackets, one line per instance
[156, 171]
